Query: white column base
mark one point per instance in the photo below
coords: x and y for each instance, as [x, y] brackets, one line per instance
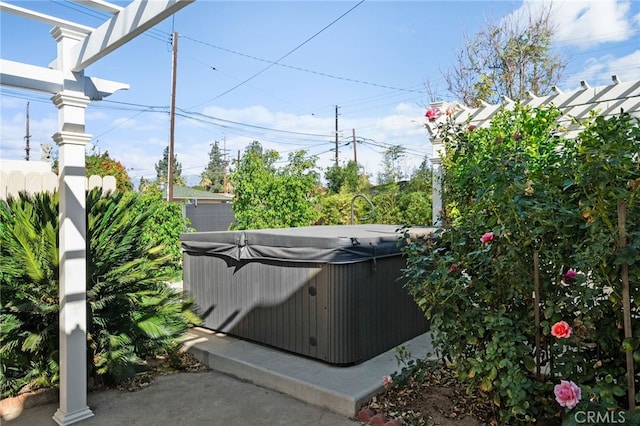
[63, 418]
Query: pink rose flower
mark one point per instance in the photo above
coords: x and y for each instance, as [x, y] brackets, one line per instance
[432, 114]
[567, 393]
[561, 330]
[486, 238]
[570, 275]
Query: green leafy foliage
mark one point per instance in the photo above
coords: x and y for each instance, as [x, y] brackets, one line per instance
[335, 209]
[347, 178]
[104, 165]
[163, 226]
[29, 282]
[512, 190]
[162, 169]
[391, 167]
[407, 202]
[270, 197]
[132, 313]
[213, 178]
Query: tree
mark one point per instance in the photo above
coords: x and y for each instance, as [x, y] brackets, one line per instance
[163, 226]
[508, 58]
[269, 157]
[213, 177]
[103, 165]
[346, 178]
[270, 197]
[421, 178]
[392, 172]
[162, 169]
[144, 184]
[414, 200]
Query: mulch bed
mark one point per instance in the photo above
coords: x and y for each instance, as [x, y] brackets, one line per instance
[435, 397]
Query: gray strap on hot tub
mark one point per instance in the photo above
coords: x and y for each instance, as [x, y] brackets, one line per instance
[240, 242]
[374, 263]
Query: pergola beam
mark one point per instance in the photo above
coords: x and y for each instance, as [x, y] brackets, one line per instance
[132, 21]
[44, 18]
[47, 80]
[31, 77]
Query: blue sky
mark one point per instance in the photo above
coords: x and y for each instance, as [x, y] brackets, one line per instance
[372, 63]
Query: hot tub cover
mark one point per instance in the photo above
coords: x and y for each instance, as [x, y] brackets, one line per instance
[337, 244]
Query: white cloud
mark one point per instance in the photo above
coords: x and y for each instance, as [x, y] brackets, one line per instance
[255, 114]
[316, 134]
[94, 115]
[598, 70]
[627, 67]
[125, 123]
[138, 142]
[12, 144]
[8, 102]
[586, 24]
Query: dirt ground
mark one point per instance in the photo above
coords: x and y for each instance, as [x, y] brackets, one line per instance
[434, 399]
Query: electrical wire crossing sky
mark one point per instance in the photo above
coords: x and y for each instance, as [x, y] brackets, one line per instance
[274, 72]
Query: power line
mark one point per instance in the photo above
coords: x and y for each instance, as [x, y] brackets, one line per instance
[283, 56]
[96, 14]
[261, 137]
[324, 74]
[192, 113]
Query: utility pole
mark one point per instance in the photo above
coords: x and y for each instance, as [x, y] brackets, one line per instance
[355, 151]
[336, 135]
[174, 72]
[27, 137]
[225, 163]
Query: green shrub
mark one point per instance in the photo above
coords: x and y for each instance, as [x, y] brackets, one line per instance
[163, 226]
[132, 313]
[516, 191]
[29, 284]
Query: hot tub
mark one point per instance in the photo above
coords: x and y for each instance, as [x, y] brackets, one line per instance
[333, 293]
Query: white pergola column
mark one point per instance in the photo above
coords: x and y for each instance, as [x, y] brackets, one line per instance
[73, 303]
[436, 191]
[442, 112]
[71, 139]
[78, 46]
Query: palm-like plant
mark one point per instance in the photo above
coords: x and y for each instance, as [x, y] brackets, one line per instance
[29, 285]
[132, 313]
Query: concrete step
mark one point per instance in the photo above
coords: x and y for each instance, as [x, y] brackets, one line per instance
[343, 390]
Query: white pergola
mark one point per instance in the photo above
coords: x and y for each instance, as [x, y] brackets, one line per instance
[78, 46]
[603, 100]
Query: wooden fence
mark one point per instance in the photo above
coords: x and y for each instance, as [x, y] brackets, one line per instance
[14, 182]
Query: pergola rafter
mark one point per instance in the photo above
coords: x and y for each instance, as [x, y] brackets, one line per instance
[78, 46]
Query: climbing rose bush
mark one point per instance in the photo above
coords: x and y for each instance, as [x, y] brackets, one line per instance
[519, 193]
